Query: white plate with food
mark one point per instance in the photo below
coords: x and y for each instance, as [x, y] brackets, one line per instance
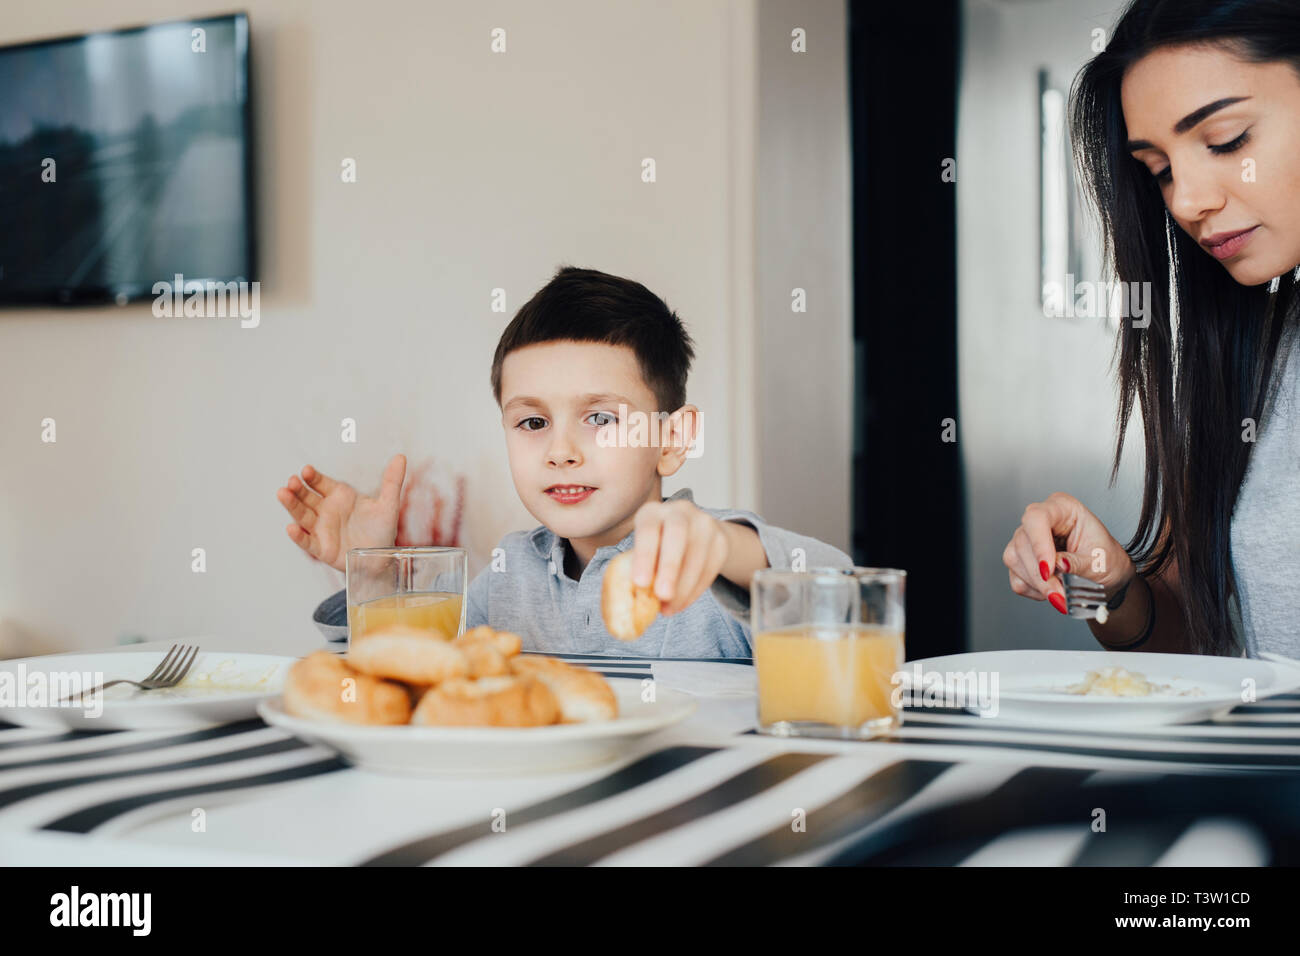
[404, 701]
[411, 749]
[1093, 688]
[220, 687]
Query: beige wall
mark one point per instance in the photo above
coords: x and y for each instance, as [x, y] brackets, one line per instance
[475, 171]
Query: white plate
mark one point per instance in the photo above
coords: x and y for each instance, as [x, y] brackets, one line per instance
[221, 686]
[1030, 685]
[495, 750]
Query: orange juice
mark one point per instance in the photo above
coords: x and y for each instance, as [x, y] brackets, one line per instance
[435, 611]
[836, 675]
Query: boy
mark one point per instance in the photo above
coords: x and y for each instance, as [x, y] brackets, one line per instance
[586, 352]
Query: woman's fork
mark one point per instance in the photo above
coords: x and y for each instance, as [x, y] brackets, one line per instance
[1084, 599]
[169, 673]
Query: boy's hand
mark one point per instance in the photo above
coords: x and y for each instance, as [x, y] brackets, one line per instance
[332, 518]
[680, 548]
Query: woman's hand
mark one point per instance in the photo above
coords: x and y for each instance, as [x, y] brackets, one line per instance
[1057, 535]
[332, 518]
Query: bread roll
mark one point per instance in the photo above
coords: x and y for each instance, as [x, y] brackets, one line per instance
[488, 702]
[407, 654]
[507, 642]
[627, 609]
[317, 688]
[484, 659]
[582, 694]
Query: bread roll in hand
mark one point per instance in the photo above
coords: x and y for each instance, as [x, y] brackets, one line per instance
[627, 609]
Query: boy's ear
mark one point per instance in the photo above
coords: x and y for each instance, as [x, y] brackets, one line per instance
[677, 434]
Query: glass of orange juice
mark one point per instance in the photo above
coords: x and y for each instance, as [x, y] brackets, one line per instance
[422, 588]
[827, 644]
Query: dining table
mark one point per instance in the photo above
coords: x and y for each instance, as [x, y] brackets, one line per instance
[947, 787]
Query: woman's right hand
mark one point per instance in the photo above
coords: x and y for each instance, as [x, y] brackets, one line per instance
[331, 518]
[1060, 534]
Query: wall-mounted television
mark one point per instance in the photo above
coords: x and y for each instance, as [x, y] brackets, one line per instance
[125, 160]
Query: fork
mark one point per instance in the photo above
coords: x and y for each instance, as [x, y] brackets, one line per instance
[1084, 599]
[169, 673]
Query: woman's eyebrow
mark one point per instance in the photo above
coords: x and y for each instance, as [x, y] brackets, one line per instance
[1192, 119]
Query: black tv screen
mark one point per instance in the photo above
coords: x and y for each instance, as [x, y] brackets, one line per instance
[125, 161]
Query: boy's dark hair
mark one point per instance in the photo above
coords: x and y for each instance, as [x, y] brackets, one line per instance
[584, 305]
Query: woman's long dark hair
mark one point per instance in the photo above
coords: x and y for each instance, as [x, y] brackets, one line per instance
[1197, 374]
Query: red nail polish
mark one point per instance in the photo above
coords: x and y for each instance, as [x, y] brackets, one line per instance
[1066, 562]
[1058, 602]
[1044, 570]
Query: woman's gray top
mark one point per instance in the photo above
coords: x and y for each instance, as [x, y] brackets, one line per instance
[1266, 521]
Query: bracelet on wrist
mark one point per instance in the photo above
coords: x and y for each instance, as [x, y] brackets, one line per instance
[1151, 618]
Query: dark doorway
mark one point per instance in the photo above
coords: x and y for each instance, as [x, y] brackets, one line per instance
[908, 493]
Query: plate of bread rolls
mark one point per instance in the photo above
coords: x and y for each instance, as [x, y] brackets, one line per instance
[410, 701]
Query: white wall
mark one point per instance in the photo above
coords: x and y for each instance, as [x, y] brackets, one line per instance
[1037, 396]
[475, 171]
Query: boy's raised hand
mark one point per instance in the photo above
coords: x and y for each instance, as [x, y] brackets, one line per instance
[331, 518]
[681, 548]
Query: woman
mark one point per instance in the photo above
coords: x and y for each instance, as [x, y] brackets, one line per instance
[1187, 136]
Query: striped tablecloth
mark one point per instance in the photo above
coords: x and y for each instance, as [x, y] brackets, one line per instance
[948, 788]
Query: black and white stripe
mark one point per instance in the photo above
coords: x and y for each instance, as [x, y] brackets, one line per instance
[948, 788]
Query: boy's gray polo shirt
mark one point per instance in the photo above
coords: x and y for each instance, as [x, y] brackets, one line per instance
[533, 597]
